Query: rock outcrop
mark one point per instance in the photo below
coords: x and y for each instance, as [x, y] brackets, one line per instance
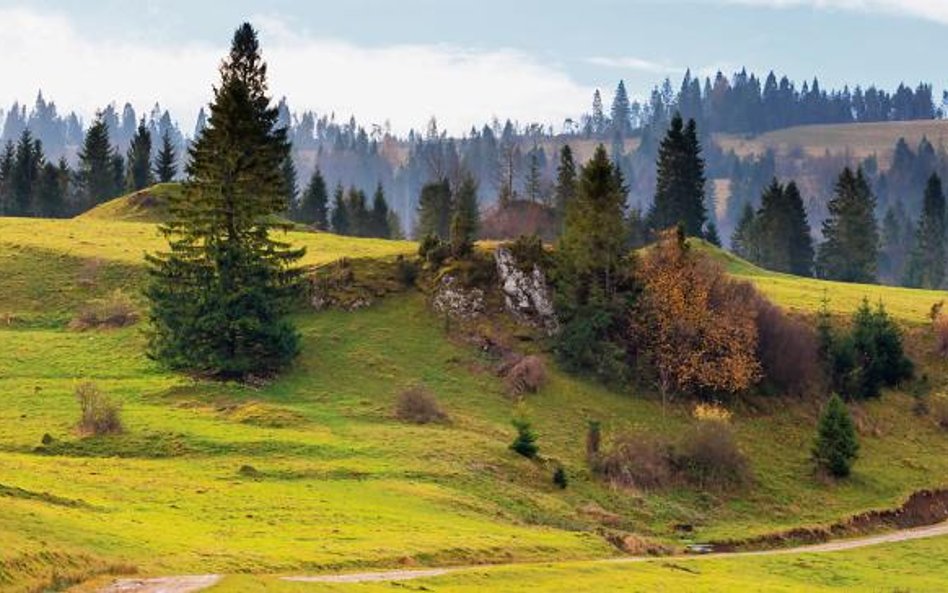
[526, 293]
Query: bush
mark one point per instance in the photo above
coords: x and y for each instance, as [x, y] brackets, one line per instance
[836, 446]
[525, 442]
[419, 406]
[710, 457]
[637, 461]
[99, 414]
[406, 271]
[526, 376]
[788, 350]
[433, 250]
[113, 311]
[528, 252]
[559, 477]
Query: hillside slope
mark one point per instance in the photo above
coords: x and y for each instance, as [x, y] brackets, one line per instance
[313, 473]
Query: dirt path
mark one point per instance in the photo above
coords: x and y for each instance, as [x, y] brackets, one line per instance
[194, 583]
[834, 546]
[180, 584]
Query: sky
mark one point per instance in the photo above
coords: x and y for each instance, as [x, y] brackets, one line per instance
[464, 62]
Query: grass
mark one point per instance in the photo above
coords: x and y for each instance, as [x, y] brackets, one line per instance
[336, 482]
[857, 140]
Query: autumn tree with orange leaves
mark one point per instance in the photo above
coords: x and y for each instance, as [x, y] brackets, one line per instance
[694, 325]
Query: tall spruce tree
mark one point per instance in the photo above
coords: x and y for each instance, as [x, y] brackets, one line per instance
[379, 214]
[97, 166]
[621, 112]
[27, 166]
[290, 185]
[565, 189]
[926, 268]
[466, 219]
[801, 238]
[340, 216]
[850, 251]
[435, 210]
[593, 280]
[220, 294]
[314, 204]
[680, 186]
[166, 161]
[7, 163]
[744, 241]
[51, 192]
[138, 159]
[360, 224]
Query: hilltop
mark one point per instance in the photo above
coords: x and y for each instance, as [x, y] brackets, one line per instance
[313, 472]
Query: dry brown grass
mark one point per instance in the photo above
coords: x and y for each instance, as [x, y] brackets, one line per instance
[528, 375]
[115, 310]
[418, 405]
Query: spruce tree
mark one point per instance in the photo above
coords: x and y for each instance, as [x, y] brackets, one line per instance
[139, 159]
[851, 248]
[51, 192]
[680, 185]
[96, 174]
[744, 240]
[7, 162]
[621, 112]
[290, 185]
[593, 280]
[926, 268]
[166, 162]
[466, 218]
[435, 210]
[314, 204]
[565, 189]
[220, 294]
[379, 214]
[27, 166]
[801, 239]
[340, 217]
[836, 445]
[360, 224]
[711, 234]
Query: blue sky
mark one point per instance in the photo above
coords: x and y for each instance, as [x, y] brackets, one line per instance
[405, 60]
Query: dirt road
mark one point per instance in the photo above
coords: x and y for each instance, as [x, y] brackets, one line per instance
[191, 584]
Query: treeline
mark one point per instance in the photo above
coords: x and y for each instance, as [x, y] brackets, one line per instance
[62, 135]
[351, 213]
[747, 104]
[32, 185]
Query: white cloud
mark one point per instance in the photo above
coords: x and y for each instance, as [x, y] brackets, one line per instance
[405, 84]
[934, 10]
[633, 63]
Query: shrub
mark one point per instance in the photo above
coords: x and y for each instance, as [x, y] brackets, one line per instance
[940, 328]
[637, 461]
[526, 376]
[99, 414]
[559, 478]
[433, 250]
[593, 441]
[528, 252]
[705, 412]
[940, 412]
[525, 442]
[836, 445]
[406, 271]
[113, 311]
[418, 405]
[788, 350]
[710, 457]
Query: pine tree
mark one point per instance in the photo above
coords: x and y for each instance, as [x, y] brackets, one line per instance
[27, 166]
[7, 162]
[851, 249]
[139, 159]
[744, 240]
[357, 211]
[680, 186]
[621, 112]
[598, 118]
[466, 218]
[51, 192]
[435, 210]
[534, 182]
[926, 268]
[801, 239]
[340, 217]
[290, 185]
[220, 294]
[166, 162]
[593, 283]
[314, 204]
[836, 445]
[379, 214]
[565, 189]
[96, 174]
[711, 234]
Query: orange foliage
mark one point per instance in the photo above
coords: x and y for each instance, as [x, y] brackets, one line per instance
[694, 324]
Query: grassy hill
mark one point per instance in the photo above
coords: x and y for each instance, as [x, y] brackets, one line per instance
[313, 473]
[857, 140]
